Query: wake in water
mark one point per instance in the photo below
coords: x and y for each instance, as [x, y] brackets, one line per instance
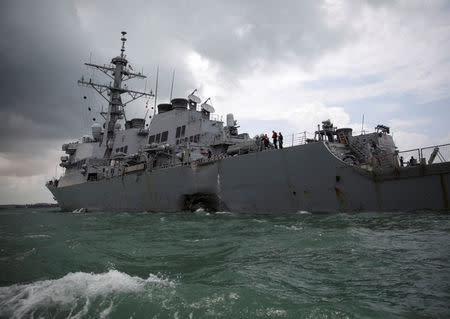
[77, 295]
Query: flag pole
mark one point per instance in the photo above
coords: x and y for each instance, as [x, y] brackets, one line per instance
[156, 90]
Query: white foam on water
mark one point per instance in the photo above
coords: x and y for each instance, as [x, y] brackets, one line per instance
[38, 236]
[82, 312]
[271, 312]
[233, 295]
[195, 240]
[224, 213]
[105, 313]
[79, 211]
[208, 302]
[292, 227]
[110, 265]
[19, 301]
[259, 220]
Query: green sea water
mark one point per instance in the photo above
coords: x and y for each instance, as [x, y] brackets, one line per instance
[223, 265]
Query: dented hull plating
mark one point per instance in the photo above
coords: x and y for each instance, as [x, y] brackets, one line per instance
[307, 177]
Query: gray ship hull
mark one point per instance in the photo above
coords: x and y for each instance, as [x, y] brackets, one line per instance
[301, 178]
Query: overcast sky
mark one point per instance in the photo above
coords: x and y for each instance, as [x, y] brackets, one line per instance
[283, 65]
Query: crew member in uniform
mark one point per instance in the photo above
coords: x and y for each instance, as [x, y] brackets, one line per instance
[280, 140]
[274, 137]
[266, 141]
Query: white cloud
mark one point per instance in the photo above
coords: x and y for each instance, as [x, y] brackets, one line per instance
[243, 30]
[24, 177]
[13, 164]
[388, 107]
[271, 94]
[24, 190]
[206, 75]
[335, 12]
[407, 47]
[86, 13]
[444, 140]
[409, 123]
[405, 140]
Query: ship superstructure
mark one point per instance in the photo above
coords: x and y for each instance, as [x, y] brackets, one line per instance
[187, 159]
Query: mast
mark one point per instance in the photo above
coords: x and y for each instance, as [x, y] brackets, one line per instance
[119, 73]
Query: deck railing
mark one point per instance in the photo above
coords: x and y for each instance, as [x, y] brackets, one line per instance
[442, 154]
[296, 139]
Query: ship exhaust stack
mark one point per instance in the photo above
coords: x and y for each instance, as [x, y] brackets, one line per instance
[164, 107]
[179, 103]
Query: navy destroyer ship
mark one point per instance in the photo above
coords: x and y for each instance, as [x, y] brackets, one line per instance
[184, 159]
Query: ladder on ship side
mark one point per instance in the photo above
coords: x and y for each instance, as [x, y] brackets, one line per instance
[357, 147]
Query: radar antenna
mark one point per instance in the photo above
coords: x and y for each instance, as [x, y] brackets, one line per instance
[207, 107]
[194, 98]
[171, 88]
[123, 39]
[119, 73]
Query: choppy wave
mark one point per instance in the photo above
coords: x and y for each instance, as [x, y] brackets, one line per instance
[302, 265]
[38, 236]
[79, 211]
[224, 213]
[75, 294]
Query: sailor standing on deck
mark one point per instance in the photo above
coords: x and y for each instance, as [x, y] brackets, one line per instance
[280, 140]
[274, 137]
[266, 141]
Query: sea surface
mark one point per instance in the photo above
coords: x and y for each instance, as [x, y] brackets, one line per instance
[223, 265]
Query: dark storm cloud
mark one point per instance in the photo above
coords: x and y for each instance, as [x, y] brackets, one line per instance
[40, 44]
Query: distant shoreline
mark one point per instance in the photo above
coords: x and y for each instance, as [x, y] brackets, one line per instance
[37, 205]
